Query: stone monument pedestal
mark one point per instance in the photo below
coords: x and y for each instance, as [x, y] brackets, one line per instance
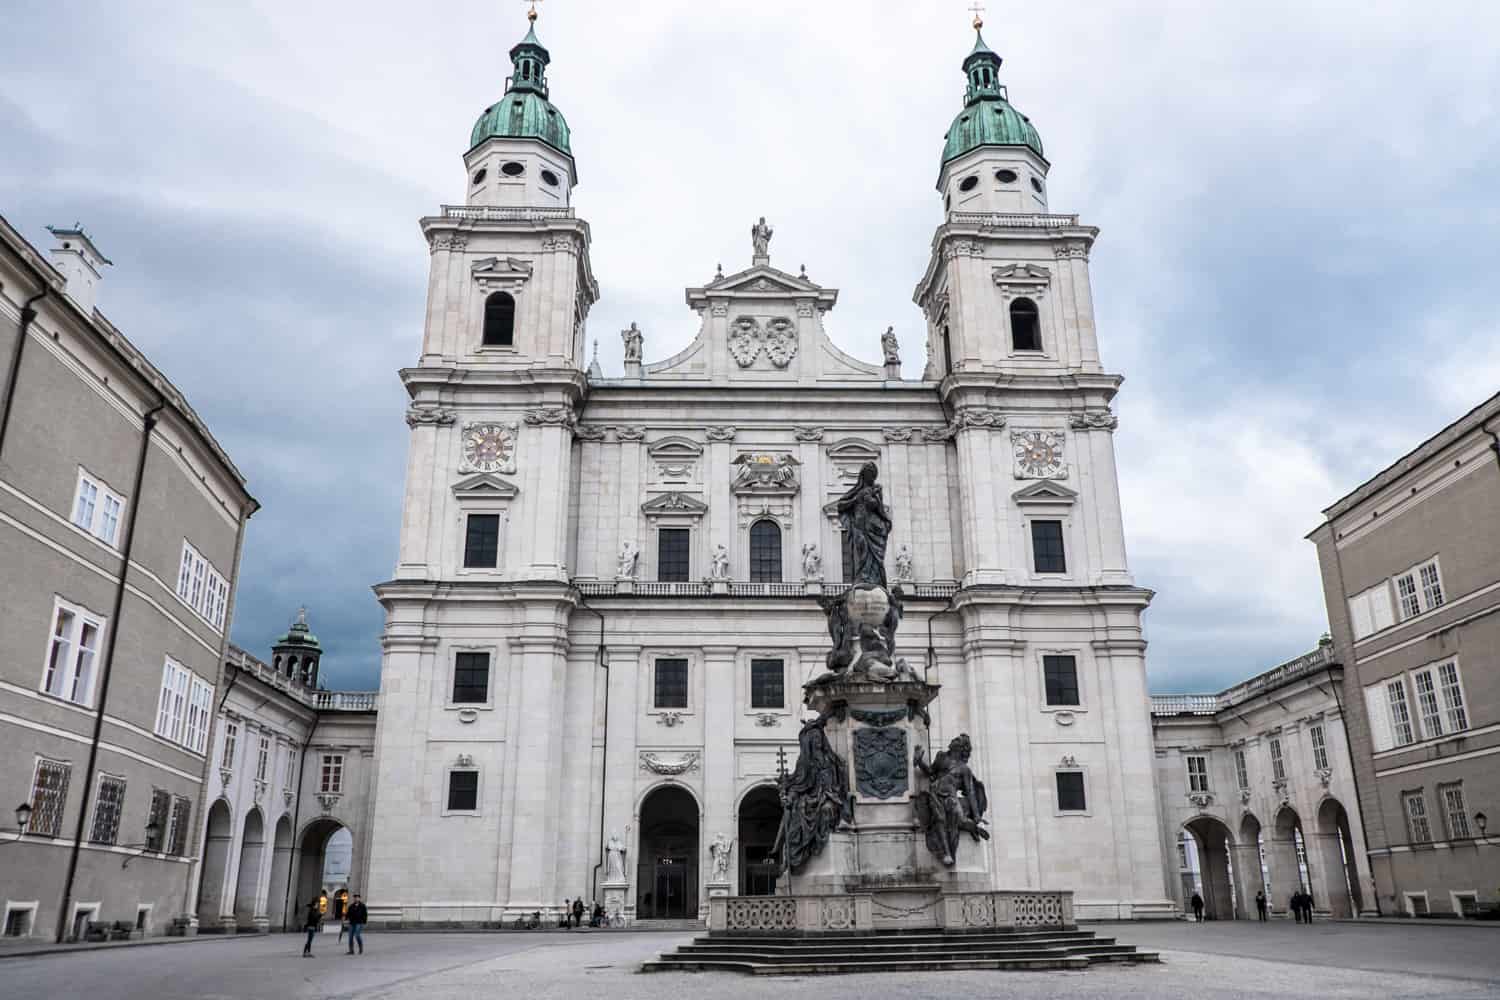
[615, 896]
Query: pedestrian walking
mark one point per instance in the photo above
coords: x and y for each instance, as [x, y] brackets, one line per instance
[1260, 904]
[310, 923]
[1198, 907]
[1296, 904]
[1307, 906]
[358, 915]
[578, 912]
[567, 914]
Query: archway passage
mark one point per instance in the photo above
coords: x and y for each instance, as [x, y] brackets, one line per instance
[1336, 851]
[252, 856]
[760, 818]
[1216, 867]
[218, 833]
[281, 869]
[1255, 871]
[314, 878]
[667, 870]
[1289, 863]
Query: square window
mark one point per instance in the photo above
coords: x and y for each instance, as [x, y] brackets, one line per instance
[671, 683]
[482, 541]
[1070, 796]
[767, 684]
[1061, 676]
[471, 678]
[1047, 547]
[463, 791]
[672, 554]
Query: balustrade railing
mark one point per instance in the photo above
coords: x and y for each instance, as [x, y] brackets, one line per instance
[323, 701]
[1208, 704]
[1013, 220]
[504, 213]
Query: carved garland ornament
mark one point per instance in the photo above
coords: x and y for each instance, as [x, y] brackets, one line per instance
[660, 765]
[426, 413]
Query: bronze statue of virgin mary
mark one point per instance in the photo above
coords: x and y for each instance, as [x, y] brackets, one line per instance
[867, 526]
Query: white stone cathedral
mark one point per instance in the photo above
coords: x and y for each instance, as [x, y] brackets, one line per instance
[606, 601]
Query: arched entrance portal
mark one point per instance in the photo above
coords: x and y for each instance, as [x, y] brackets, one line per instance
[218, 833]
[1336, 852]
[760, 818]
[1216, 866]
[252, 856]
[323, 866]
[281, 868]
[667, 871]
[1289, 857]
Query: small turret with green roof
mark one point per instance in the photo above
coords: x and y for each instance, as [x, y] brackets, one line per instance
[988, 119]
[525, 112]
[297, 652]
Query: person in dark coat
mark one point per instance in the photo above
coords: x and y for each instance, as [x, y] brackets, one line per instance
[578, 912]
[1296, 904]
[1260, 904]
[1307, 905]
[1198, 907]
[358, 914]
[310, 922]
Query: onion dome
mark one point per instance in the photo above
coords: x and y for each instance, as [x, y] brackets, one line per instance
[988, 119]
[524, 112]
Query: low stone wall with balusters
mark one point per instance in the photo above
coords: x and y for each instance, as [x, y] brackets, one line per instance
[954, 913]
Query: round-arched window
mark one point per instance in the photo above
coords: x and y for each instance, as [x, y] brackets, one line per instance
[1006, 176]
[1025, 326]
[765, 551]
[549, 178]
[499, 320]
[513, 168]
[968, 184]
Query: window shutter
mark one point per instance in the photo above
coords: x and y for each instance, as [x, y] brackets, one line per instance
[1359, 615]
[1380, 719]
[1383, 615]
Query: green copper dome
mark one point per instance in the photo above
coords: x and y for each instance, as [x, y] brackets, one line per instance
[524, 112]
[987, 118]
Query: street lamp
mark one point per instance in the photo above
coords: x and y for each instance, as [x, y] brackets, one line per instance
[23, 818]
[152, 829]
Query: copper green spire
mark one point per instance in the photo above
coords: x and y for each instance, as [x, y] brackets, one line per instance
[525, 112]
[988, 119]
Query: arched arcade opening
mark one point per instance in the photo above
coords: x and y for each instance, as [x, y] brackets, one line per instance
[217, 838]
[1216, 867]
[667, 861]
[759, 821]
[1336, 854]
[252, 857]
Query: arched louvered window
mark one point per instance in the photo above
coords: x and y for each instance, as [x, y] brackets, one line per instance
[765, 552]
[1025, 326]
[499, 320]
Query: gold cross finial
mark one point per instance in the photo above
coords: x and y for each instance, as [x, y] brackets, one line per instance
[531, 14]
[978, 21]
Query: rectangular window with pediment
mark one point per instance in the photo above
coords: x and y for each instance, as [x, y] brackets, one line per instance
[1047, 547]
[482, 541]
[673, 554]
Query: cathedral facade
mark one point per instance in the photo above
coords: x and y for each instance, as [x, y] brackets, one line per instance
[607, 595]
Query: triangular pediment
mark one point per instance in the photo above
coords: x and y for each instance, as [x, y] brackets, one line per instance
[1022, 271]
[501, 267]
[484, 486]
[762, 278]
[675, 503]
[1045, 491]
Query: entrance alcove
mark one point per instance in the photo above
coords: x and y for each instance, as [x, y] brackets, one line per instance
[1215, 849]
[667, 869]
[1336, 852]
[759, 819]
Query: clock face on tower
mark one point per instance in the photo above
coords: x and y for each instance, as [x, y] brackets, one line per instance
[489, 447]
[1039, 454]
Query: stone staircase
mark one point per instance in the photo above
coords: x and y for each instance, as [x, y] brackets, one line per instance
[897, 951]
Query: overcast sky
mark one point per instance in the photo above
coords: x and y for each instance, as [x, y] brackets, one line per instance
[1296, 273]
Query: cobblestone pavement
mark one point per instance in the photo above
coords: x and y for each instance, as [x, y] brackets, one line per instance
[1203, 962]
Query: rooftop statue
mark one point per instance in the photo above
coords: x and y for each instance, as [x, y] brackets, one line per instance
[760, 237]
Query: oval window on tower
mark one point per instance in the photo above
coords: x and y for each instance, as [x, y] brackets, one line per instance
[549, 178]
[968, 184]
[1005, 176]
[480, 175]
[1036, 185]
[513, 169]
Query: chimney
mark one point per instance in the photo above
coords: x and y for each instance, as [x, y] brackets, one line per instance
[80, 263]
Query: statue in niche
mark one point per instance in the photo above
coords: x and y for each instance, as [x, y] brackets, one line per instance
[760, 237]
[719, 851]
[954, 802]
[867, 523]
[614, 853]
[889, 347]
[903, 563]
[815, 798]
[719, 564]
[633, 339]
[812, 562]
[630, 559]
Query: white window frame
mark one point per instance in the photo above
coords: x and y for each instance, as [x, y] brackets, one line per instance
[1456, 898]
[144, 926]
[1455, 714]
[1319, 740]
[30, 907]
[1461, 830]
[1419, 589]
[1411, 911]
[336, 773]
[79, 909]
[1371, 610]
[230, 745]
[98, 520]
[1241, 768]
[478, 791]
[1197, 777]
[1088, 798]
[1416, 817]
[493, 653]
[789, 667]
[200, 714]
[71, 685]
[263, 758]
[1429, 707]
[1278, 758]
[648, 680]
[1394, 691]
[202, 587]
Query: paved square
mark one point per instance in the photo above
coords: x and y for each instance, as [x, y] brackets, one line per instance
[1200, 962]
